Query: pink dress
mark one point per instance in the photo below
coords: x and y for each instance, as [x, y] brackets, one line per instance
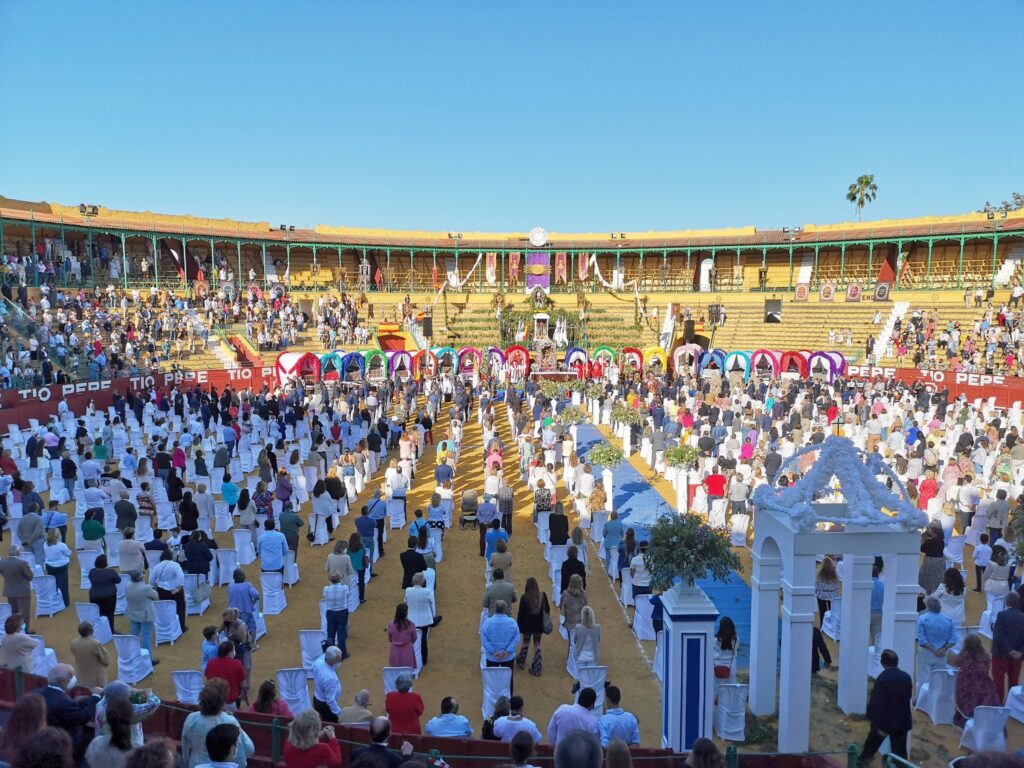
[403, 653]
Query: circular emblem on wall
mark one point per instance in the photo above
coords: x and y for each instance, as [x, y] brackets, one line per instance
[538, 237]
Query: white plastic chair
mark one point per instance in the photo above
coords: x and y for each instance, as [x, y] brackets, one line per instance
[133, 661]
[954, 551]
[830, 623]
[168, 628]
[643, 626]
[192, 607]
[187, 685]
[49, 600]
[86, 562]
[740, 526]
[121, 603]
[90, 612]
[937, 696]
[993, 607]
[43, 659]
[730, 715]
[1015, 703]
[311, 644]
[152, 558]
[390, 676]
[227, 562]
[274, 601]
[497, 682]
[291, 569]
[985, 731]
[293, 688]
[222, 520]
[593, 677]
[244, 548]
[626, 592]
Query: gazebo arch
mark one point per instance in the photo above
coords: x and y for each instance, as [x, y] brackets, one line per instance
[401, 360]
[518, 355]
[654, 352]
[715, 356]
[828, 362]
[495, 359]
[686, 356]
[766, 355]
[629, 354]
[300, 364]
[330, 366]
[603, 350]
[376, 362]
[424, 357]
[447, 354]
[575, 355]
[791, 527]
[790, 358]
[840, 360]
[738, 358]
[470, 355]
[348, 360]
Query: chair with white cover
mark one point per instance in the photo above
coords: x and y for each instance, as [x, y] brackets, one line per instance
[291, 569]
[390, 677]
[994, 604]
[954, 551]
[90, 613]
[353, 595]
[272, 586]
[497, 682]
[121, 602]
[1015, 703]
[626, 592]
[86, 562]
[261, 625]
[417, 652]
[133, 661]
[875, 658]
[293, 687]
[543, 531]
[558, 554]
[396, 512]
[643, 626]
[43, 659]
[111, 540]
[168, 628]
[311, 644]
[164, 514]
[593, 677]
[187, 685]
[830, 624]
[730, 715]
[244, 548]
[49, 600]
[717, 517]
[937, 696]
[143, 529]
[222, 520]
[5, 612]
[227, 562]
[740, 524]
[152, 558]
[323, 614]
[985, 732]
[195, 604]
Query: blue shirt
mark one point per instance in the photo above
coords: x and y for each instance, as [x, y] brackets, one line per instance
[500, 634]
[444, 473]
[492, 538]
[877, 594]
[209, 652]
[612, 534]
[935, 630]
[273, 548]
[486, 512]
[453, 726]
[618, 724]
[366, 528]
[378, 509]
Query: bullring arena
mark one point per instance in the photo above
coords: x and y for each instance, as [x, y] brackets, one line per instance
[100, 303]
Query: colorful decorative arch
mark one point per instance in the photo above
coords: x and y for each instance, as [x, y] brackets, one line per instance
[603, 350]
[793, 357]
[297, 364]
[495, 358]
[715, 356]
[330, 366]
[684, 351]
[575, 355]
[765, 354]
[840, 360]
[425, 357]
[398, 358]
[654, 352]
[377, 354]
[742, 358]
[444, 352]
[471, 355]
[632, 353]
[350, 358]
[518, 355]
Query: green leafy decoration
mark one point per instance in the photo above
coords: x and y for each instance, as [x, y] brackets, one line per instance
[605, 454]
[681, 456]
[684, 546]
[573, 415]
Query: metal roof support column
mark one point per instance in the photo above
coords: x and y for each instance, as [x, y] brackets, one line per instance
[263, 247]
[124, 260]
[640, 280]
[995, 249]
[928, 272]
[35, 258]
[387, 283]
[842, 265]
[871, 254]
[790, 266]
[214, 273]
[899, 262]
[238, 253]
[88, 238]
[688, 283]
[960, 266]
[815, 279]
[288, 265]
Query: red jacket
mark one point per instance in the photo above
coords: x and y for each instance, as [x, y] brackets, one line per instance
[326, 754]
[227, 669]
[404, 710]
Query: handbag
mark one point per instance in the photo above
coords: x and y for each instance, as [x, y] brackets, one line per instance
[723, 671]
[546, 625]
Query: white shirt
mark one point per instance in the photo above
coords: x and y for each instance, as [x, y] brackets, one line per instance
[586, 484]
[167, 575]
[641, 576]
[336, 597]
[326, 685]
[505, 728]
[421, 606]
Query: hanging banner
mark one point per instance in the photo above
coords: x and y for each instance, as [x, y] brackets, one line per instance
[827, 292]
[561, 269]
[853, 292]
[882, 291]
[513, 268]
[582, 267]
[538, 271]
[491, 272]
[803, 290]
[452, 267]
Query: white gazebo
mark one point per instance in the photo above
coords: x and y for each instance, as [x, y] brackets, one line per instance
[792, 527]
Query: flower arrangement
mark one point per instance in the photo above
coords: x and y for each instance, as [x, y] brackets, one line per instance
[572, 415]
[552, 389]
[683, 546]
[595, 391]
[578, 385]
[681, 456]
[605, 455]
[623, 414]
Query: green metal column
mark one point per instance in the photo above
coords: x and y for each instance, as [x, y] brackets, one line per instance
[387, 282]
[790, 266]
[88, 237]
[433, 257]
[214, 280]
[501, 277]
[238, 252]
[714, 266]
[899, 263]
[871, 254]
[739, 263]
[412, 270]
[641, 267]
[35, 258]
[124, 261]
[815, 280]
[928, 272]
[263, 247]
[688, 282]
[995, 248]
[288, 266]
[960, 267]
[842, 264]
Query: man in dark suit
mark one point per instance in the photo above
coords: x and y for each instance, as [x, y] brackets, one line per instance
[72, 715]
[412, 563]
[380, 732]
[889, 709]
[572, 565]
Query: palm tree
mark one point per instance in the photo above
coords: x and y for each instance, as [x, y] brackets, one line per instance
[862, 191]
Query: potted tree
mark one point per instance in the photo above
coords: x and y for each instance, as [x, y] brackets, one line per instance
[626, 418]
[572, 416]
[608, 457]
[594, 394]
[684, 547]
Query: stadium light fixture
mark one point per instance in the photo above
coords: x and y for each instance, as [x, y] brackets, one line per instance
[89, 210]
[291, 227]
[990, 215]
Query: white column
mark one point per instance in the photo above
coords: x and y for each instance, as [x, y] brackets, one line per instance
[899, 633]
[687, 671]
[682, 490]
[798, 608]
[764, 632]
[606, 478]
[647, 450]
[627, 439]
[854, 621]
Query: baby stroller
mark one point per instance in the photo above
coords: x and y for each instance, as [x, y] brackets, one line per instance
[467, 513]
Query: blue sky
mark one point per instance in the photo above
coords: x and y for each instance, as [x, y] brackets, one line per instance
[574, 116]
